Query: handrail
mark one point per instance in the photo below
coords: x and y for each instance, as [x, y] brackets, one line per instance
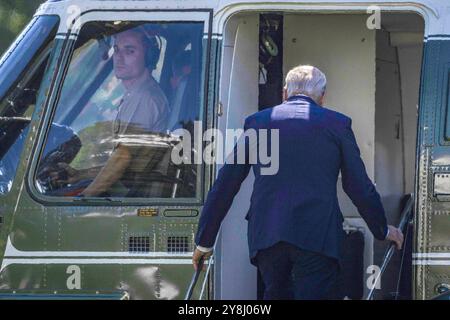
[406, 217]
[194, 279]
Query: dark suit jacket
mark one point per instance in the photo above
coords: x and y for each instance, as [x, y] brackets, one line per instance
[299, 204]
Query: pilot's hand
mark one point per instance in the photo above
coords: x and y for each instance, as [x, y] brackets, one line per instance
[73, 175]
[199, 254]
[395, 235]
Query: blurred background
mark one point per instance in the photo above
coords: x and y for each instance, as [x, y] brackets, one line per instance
[14, 16]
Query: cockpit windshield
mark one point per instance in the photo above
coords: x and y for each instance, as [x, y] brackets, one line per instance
[28, 45]
[21, 74]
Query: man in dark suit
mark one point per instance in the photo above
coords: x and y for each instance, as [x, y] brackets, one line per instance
[294, 222]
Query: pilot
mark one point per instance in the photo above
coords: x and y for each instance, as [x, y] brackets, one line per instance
[143, 109]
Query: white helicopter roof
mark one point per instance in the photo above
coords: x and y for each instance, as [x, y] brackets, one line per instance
[434, 12]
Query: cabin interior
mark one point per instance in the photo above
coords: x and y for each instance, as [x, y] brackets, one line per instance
[373, 77]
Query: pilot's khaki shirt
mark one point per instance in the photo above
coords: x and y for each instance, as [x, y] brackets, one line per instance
[143, 112]
[143, 107]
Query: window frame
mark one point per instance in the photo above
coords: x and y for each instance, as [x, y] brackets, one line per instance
[204, 16]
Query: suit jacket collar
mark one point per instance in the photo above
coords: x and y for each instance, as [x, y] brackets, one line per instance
[301, 97]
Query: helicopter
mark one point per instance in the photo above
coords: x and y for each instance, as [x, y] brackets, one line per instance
[217, 62]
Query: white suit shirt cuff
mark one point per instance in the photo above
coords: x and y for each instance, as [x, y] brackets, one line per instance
[203, 249]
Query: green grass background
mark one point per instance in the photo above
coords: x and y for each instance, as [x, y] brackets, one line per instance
[14, 16]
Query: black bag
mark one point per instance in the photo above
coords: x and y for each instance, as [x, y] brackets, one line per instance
[351, 277]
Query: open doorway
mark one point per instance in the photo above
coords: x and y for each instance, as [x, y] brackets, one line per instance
[373, 77]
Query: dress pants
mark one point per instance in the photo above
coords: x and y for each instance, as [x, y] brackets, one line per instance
[292, 273]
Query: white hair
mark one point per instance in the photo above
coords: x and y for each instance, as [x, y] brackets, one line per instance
[307, 80]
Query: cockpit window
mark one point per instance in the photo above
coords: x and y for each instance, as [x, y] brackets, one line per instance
[22, 70]
[129, 86]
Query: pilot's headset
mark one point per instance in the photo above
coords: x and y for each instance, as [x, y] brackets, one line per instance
[152, 46]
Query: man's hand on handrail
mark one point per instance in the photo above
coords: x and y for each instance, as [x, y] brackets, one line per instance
[198, 254]
[395, 235]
